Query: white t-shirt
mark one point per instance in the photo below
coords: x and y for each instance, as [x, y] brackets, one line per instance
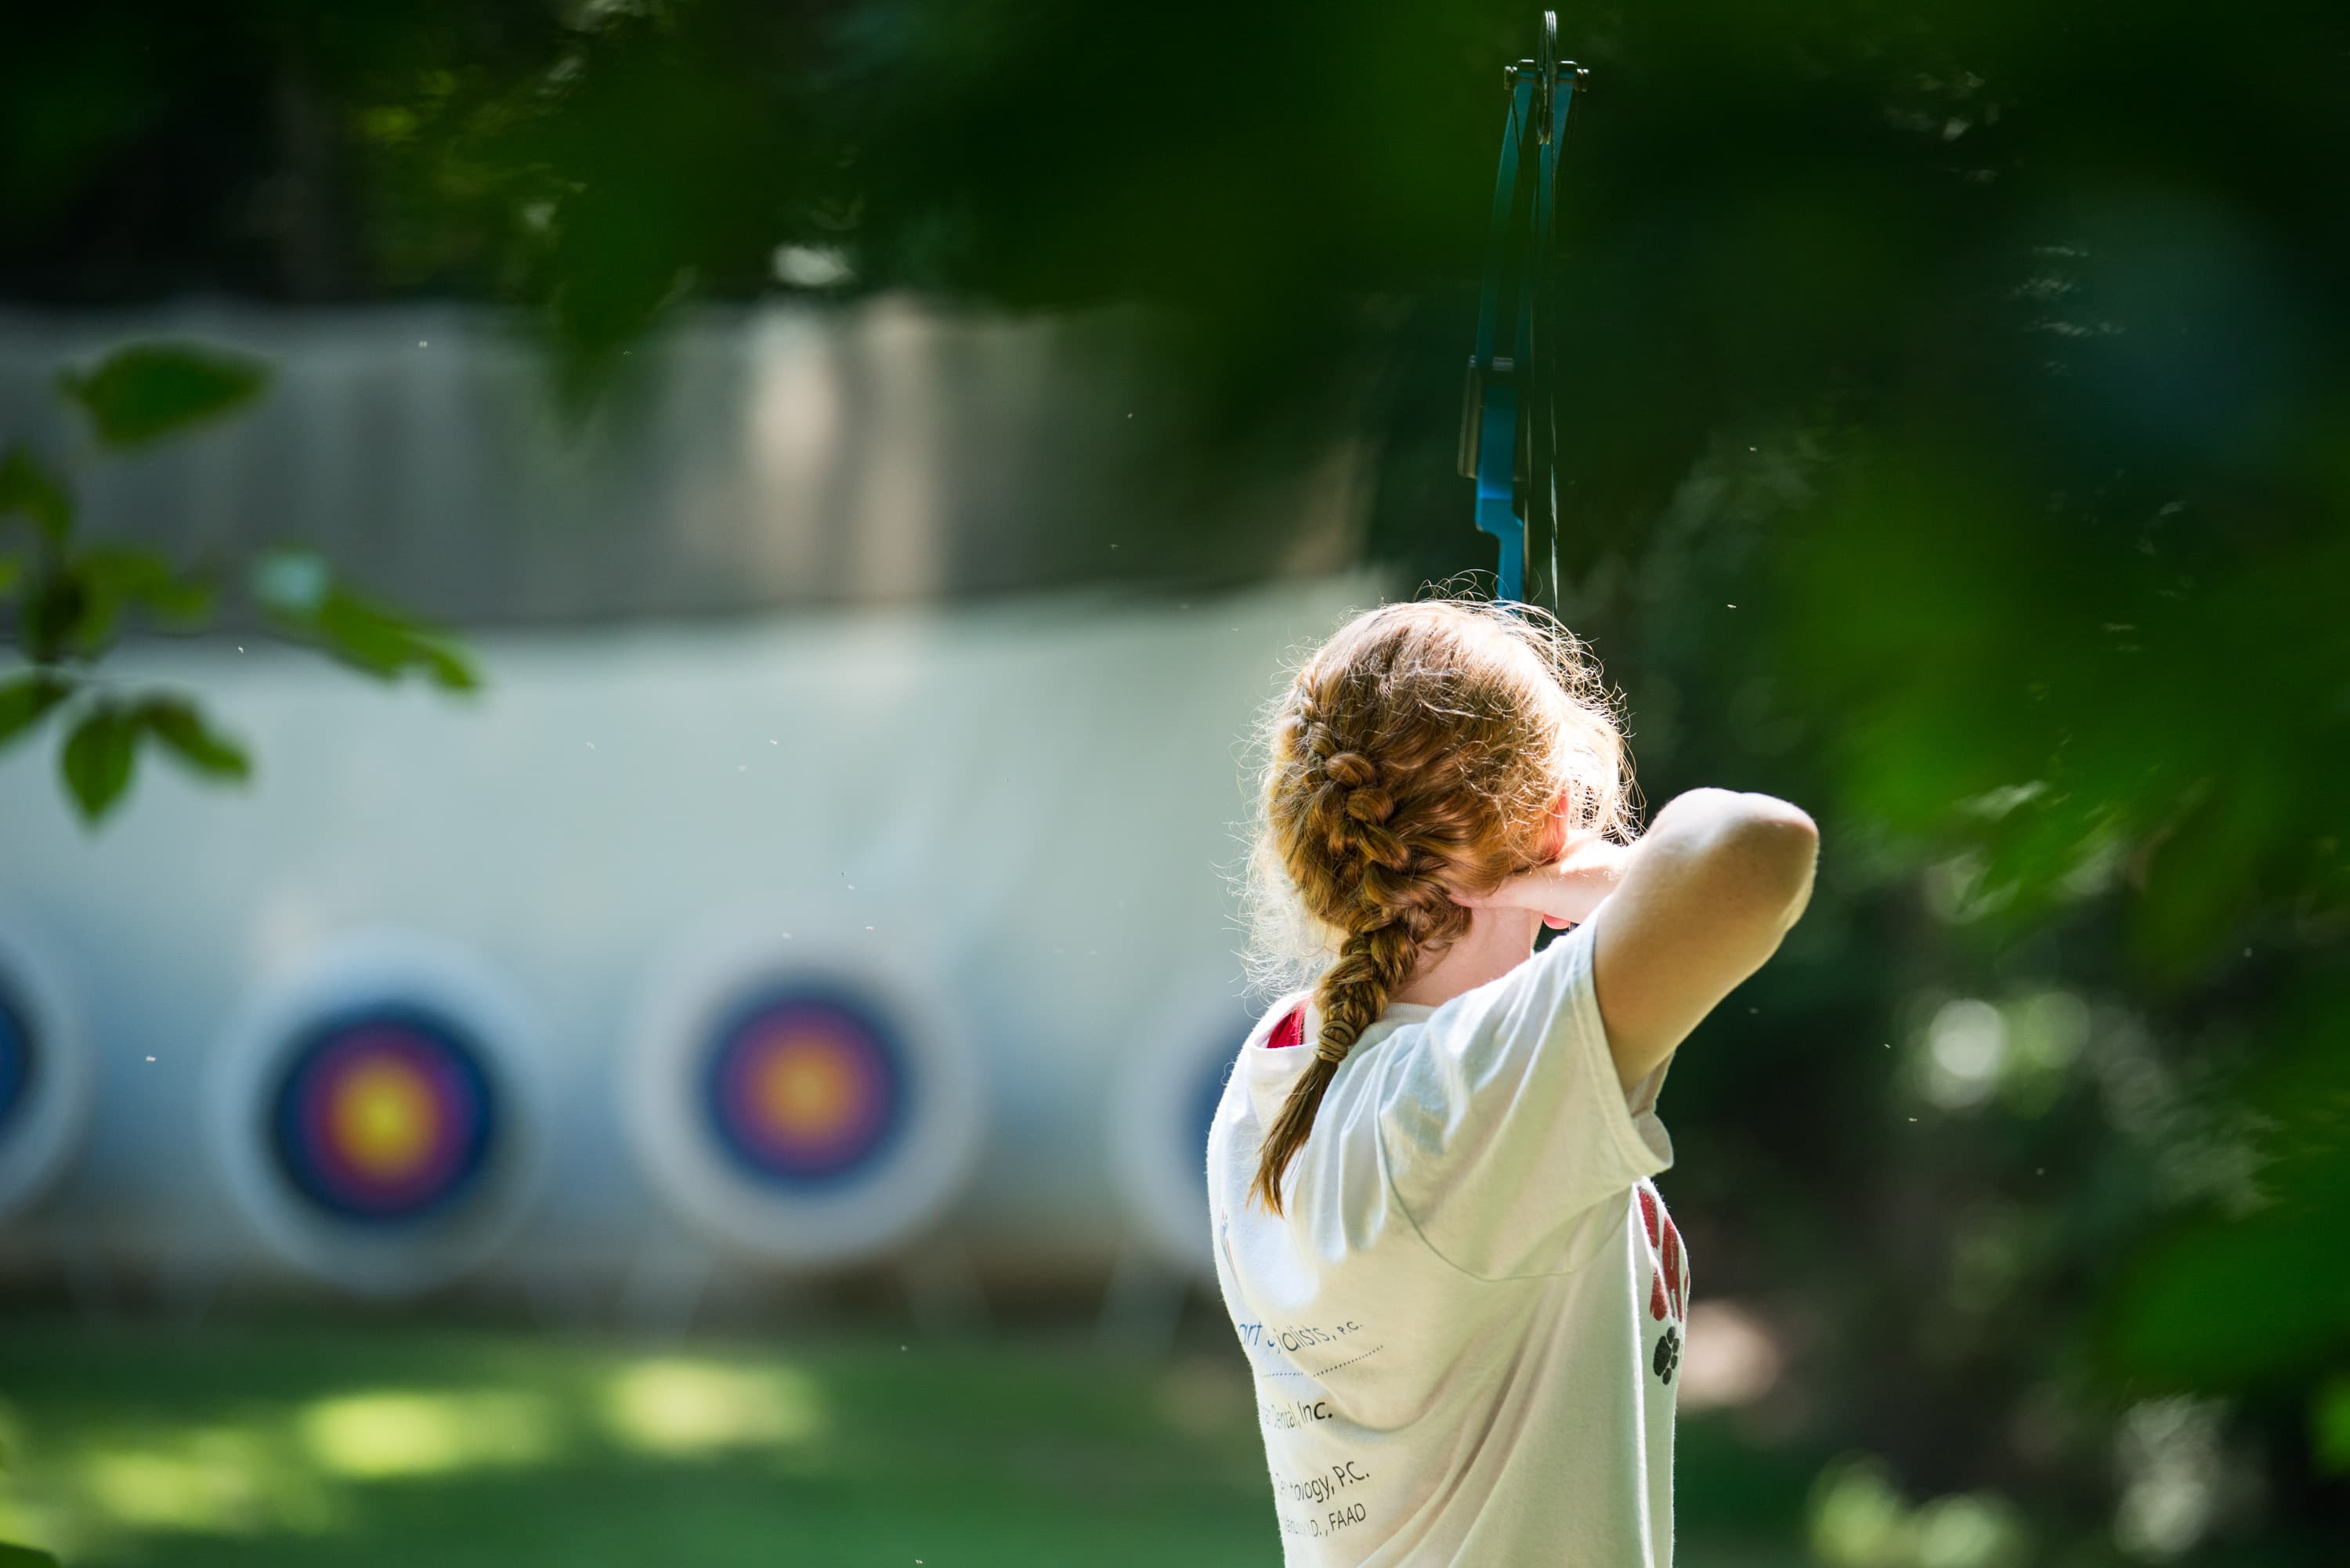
[1465, 1329]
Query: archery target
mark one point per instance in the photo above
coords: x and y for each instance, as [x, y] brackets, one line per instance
[45, 1071]
[15, 1058]
[384, 1114]
[807, 1106]
[806, 1086]
[1166, 1104]
[380, 1115]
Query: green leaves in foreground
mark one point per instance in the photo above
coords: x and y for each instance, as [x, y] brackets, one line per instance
[102, 751]
[97, 759]
[2223, 1301]
[28, 489]
[25, 699]
[138, 394]
[95, 586]
[2330, 1429]
[180, 728]
[72, 598]
[25, 1557]
[302, 600]
[68, 618]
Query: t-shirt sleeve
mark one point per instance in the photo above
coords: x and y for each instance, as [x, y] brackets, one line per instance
[1502, 1120]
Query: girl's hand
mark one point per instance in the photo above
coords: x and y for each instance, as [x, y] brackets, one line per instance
[1567, 891]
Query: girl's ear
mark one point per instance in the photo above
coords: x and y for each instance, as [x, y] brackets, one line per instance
[1561, 820]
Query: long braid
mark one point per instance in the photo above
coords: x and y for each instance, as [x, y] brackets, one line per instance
[1351, 996]
[1421, 750]
[1395, 908]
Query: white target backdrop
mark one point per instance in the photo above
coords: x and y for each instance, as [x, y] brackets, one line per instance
[381, 1111]
[804, 1101]
[44, 1070]
[1165, 1099]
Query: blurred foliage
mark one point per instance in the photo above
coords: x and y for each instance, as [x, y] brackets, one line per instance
[147, 390]
[1957, 421]
[69, 594]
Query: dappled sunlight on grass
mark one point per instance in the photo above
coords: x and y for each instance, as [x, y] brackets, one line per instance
[219, 1478]
[148, 1489]
[280, 1447]
[290, 1467]
[679, 1406]
[383, 1434]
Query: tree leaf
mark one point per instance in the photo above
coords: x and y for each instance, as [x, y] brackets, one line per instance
[112, 578]
[305, 600]
[52, 615]
[28, 488]
[26, 700]
[2329, 1428]
[14, 1556]
[181, 729]
[375, 639]
[97, 759]
[147, 390]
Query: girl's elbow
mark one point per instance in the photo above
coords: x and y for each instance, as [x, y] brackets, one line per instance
[1777, 847]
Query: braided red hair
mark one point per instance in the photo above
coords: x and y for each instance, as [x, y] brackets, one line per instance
[1423, 750]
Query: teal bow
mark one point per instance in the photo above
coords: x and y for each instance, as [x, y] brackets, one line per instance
[1508, 416]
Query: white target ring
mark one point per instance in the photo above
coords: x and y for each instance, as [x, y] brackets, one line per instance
[46, 1081]
[1159, 1128]
[380, 1113]
[805, 1102]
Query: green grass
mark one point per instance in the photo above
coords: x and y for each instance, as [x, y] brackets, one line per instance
[386, 1443]
[389, 1445]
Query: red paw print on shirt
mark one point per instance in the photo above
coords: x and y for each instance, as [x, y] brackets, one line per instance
[1669, 1276]
[1668, 1284]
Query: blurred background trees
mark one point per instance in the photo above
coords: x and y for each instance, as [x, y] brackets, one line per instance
[1961, 441]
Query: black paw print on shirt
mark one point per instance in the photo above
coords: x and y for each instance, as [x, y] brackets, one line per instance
[1667, 1358]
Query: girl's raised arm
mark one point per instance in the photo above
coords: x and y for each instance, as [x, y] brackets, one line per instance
[1705, 897]
[1680, 917]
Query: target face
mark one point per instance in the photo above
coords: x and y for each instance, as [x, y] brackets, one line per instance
[379, 1112]
[808, 1104]
[806, 1087]
[1209, 1093]
[15, 1059]
[45, 1070]
[1165, 1102]
[385, 1115]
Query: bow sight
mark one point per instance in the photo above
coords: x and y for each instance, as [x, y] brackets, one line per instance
[1508, 417]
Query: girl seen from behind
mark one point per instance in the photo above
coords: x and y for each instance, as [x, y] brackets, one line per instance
[1436, 1229]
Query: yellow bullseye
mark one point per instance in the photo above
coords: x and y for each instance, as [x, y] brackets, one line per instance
[804, 1089]
[382, 1119]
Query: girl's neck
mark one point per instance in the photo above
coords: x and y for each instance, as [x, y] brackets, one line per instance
[1497, 942]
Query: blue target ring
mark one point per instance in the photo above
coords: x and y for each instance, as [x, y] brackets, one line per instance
[1163, 1113]
[16, 1060]
[384, 1114]
[805, 1086]
[44, 1070]
[1209, 1094]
